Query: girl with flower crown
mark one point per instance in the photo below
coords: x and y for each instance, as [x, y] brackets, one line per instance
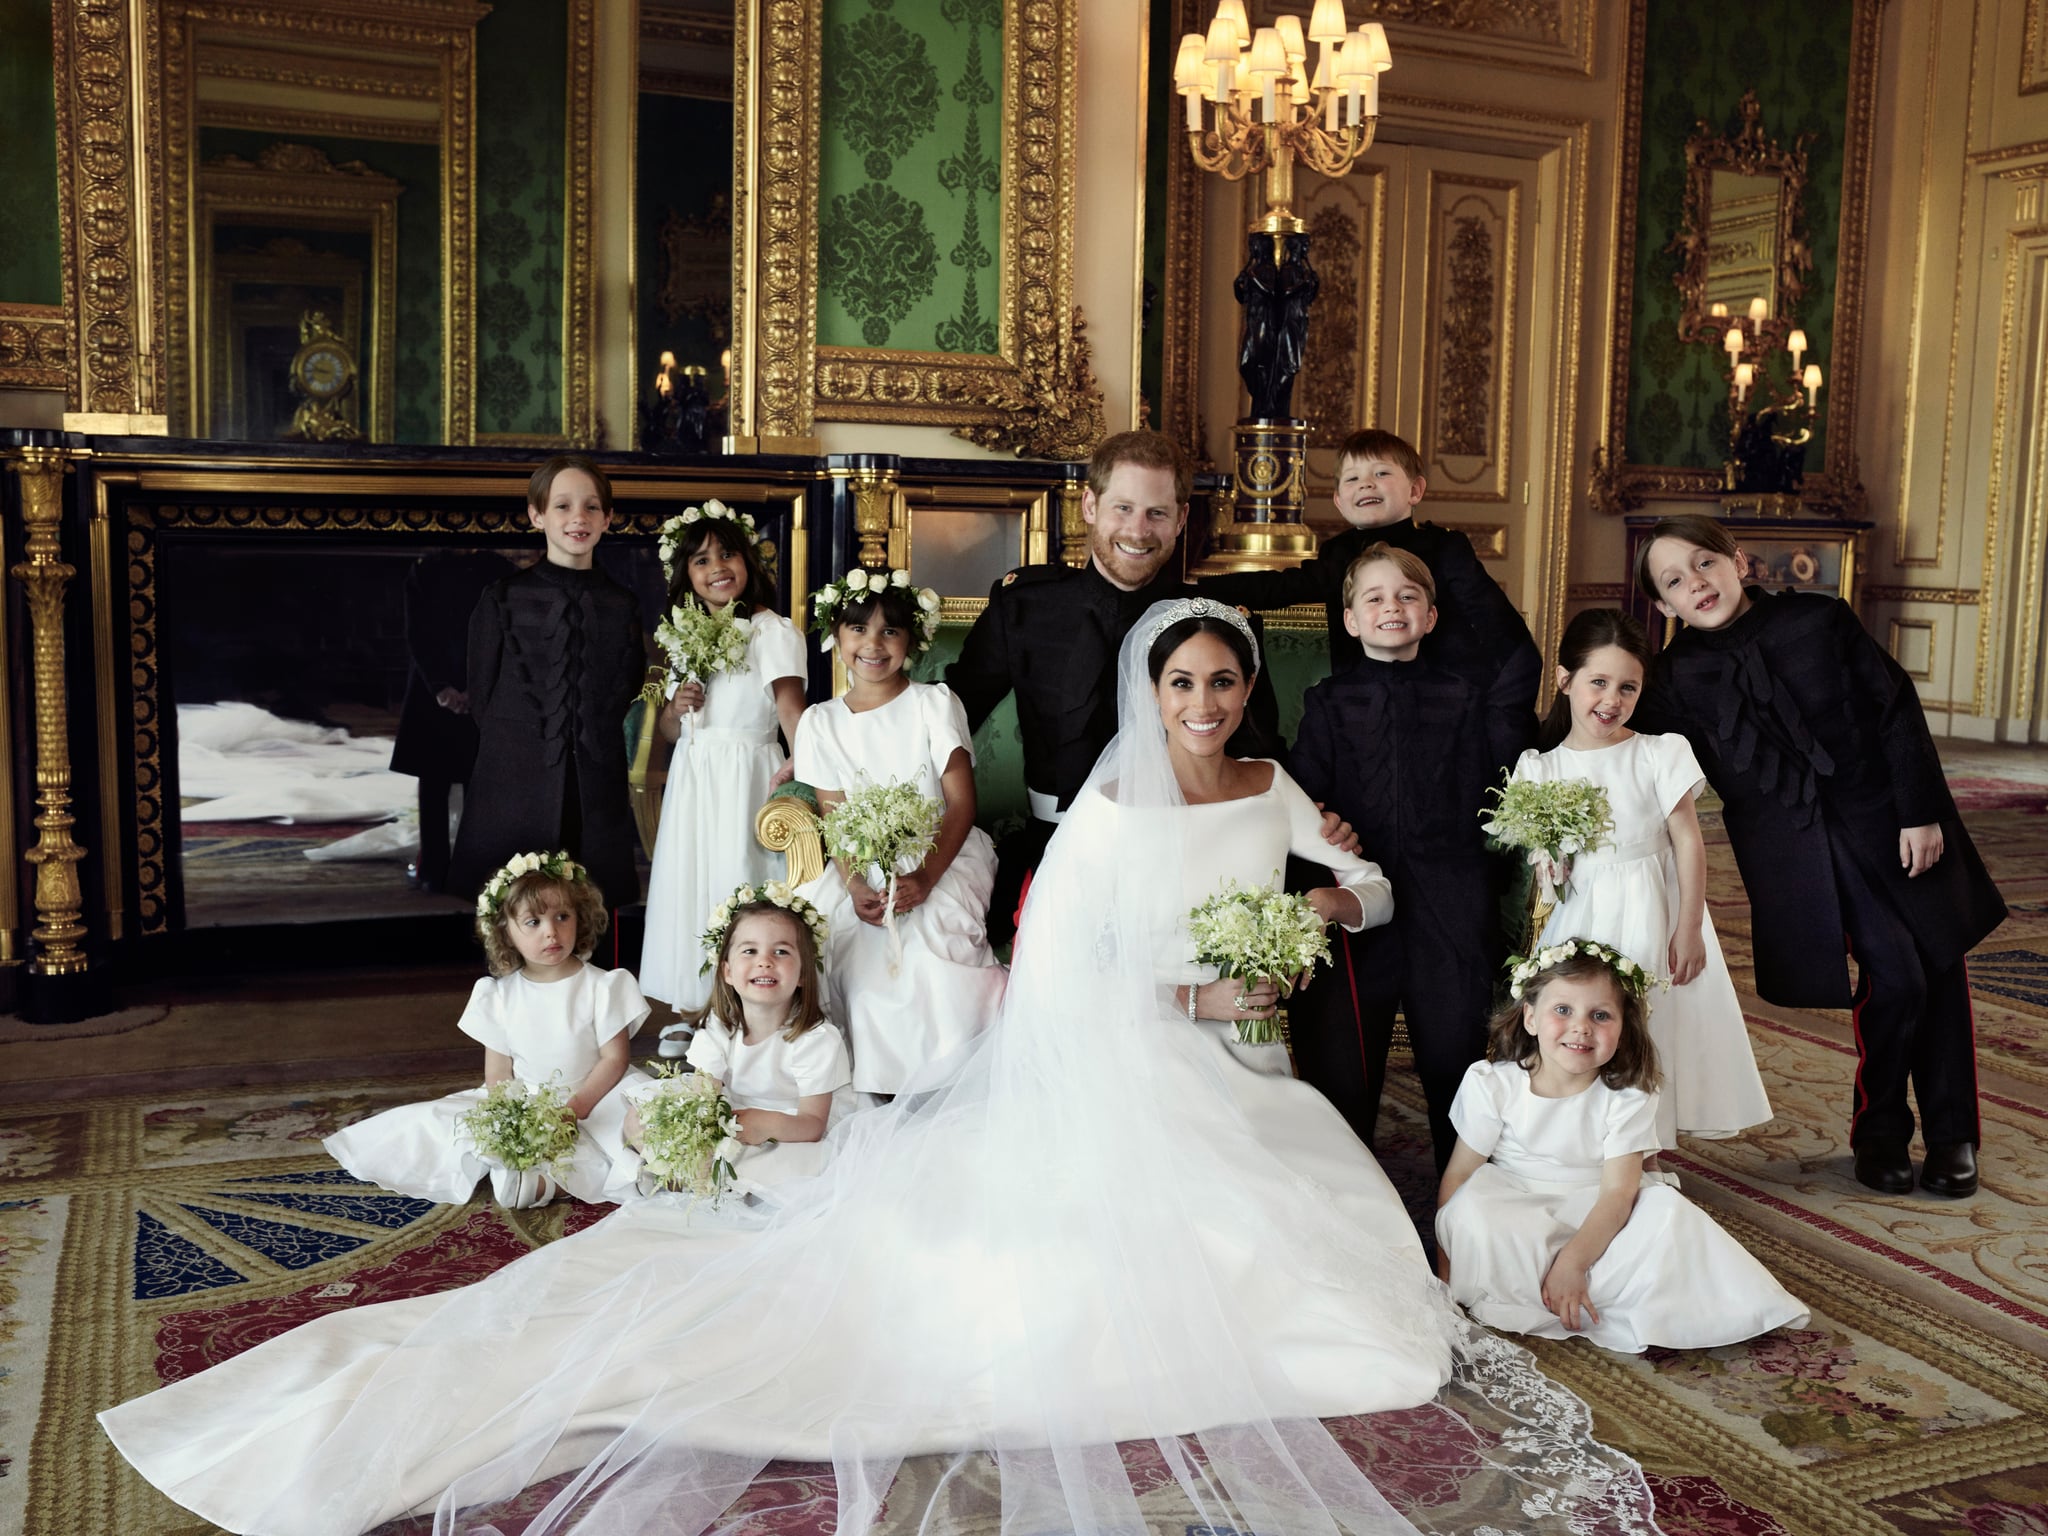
[1547, 1222]
[916, 979]
[543, 1015]
[765, 1038]
[727, 757]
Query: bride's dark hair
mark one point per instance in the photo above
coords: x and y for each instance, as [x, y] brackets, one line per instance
[1248, 740]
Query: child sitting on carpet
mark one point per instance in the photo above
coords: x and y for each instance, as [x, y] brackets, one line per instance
[1546, 1221]
[765, 1037]
[544, 1014]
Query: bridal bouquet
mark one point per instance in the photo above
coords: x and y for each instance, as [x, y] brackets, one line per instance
[883, 830]
[700, 643]
[521, 1125]
[688, 1133]
[1253, 933]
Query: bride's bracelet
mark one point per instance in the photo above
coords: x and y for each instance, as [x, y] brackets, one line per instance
[1192, 990]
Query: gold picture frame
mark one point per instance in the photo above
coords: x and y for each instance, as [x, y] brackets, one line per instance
[1620, 486]
[1037, 392]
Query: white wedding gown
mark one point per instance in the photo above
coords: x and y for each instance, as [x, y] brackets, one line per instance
[1102, 1227]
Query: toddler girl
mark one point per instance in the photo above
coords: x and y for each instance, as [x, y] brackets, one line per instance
[726, 759]
[1842, 824]
[1644, 893]
[909, 1002]
[544, 1014]
[555, 661]
[1546, 1222]
[765, 1037]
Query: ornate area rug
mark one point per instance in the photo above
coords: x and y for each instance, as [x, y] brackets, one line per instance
[144, 1236]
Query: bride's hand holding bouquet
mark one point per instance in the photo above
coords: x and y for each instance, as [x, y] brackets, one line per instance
[1267, 940]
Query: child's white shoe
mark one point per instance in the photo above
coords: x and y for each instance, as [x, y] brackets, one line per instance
[522, 1190]
[675, 1041]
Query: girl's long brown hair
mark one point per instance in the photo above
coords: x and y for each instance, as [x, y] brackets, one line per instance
[808, 1010]
[758, 594]
[1634, 1062]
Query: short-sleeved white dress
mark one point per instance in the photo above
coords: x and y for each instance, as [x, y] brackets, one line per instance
[552, 1031]
[1626, 895]
[948, 984]
[1671, 1277]
[777, 1074]
[705, 848]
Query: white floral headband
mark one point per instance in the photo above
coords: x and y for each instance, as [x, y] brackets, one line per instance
[860, 583]
[1184, 608]
[773, 892]
[671, 536]
[556, 866]
[1634, 979]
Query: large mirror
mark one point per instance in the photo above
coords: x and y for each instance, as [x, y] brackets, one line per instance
[1744, 233]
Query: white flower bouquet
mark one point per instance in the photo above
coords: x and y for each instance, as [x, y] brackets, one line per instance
[1549, 822]
[700, 643]
[521, 1125]
[882, 831]
[688, 1133]
[1258, 933]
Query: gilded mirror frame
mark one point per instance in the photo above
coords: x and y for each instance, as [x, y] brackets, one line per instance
[447, 43]
[1749, 151]
[1037, 394]
[1619, 486]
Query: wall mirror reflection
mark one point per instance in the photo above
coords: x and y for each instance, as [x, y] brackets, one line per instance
[1743, 247]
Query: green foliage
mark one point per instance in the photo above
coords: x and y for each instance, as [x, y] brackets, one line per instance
[687, 1131]
[521, 1125]
[1258, 933]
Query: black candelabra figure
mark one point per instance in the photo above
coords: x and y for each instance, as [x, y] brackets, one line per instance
[1276, 295]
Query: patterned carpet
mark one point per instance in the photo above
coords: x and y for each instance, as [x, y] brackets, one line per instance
[144, 1236]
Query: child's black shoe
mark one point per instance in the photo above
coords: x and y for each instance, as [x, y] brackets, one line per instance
[1950, 1170]
[1885, 1167]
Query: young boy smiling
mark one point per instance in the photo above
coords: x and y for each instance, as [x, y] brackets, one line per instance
[1397, 746]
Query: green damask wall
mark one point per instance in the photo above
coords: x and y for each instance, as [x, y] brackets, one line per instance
[910, 175]
[416, 416]
[522, 51]
[1697, 62]
[31, 240]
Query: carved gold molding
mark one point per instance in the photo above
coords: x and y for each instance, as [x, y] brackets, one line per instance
[1552, 37]
[443, 37]
[106, 193]
[1038, 394]
[1180, 302]
[661, 23]
[1964, 597]
[1619, 485]
[579, 269]
[35, 351]
[286, 122]
[2034, 49]
[358, 77]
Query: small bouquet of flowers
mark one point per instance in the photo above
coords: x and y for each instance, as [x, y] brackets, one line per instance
[884, 830]
[688, 1133]
[1550, 823]
[521, 1125]
[700, 643]
[1254, 933]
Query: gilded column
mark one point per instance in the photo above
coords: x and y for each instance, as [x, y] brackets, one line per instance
[111, 199]
[57, 941]
[881, 519]
[1073, 529]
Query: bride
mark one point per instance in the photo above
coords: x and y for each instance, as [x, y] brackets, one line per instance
[1104, 1272]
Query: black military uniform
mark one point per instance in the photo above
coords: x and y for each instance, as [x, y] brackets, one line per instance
[1050, 634]
[555, 661]
[435, 744]
[1399, 749]
[1479, 634]
[1816, 743]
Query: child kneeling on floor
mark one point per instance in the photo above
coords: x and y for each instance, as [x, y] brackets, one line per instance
[544, 1014]
[1546, 1222]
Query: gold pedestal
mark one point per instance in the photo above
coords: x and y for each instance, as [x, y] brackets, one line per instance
[1258, 523]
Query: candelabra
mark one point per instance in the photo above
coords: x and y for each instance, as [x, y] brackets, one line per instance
[1767, 443]
[1267, 111]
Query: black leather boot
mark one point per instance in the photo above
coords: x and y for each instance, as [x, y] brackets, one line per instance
[1885, 1167]
[1950, 1169]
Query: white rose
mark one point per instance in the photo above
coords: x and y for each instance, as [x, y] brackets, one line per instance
[713, 507]
[856, 580]
[928, 600]
[899, 578]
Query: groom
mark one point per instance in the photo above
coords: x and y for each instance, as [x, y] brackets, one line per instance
[1050, 634]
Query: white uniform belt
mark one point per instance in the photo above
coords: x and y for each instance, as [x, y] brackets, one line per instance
[725, 734]
[1045, 807]
[1645, 848]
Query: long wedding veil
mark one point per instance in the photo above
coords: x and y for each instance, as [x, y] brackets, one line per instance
[1030, 1296]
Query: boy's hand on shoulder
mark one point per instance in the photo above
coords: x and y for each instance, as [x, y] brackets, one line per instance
[1920, 849]
[1337, 831]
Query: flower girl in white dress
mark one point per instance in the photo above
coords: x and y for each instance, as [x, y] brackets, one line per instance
[544, 1014]
[915, 985]
[1546, 1220]
[726, 759]
[1644, 892]
[765, 1038]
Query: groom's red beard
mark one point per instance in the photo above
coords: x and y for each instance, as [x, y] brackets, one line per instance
[1128, 570]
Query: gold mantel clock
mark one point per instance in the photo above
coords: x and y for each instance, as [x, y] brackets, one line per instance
[324, 373]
